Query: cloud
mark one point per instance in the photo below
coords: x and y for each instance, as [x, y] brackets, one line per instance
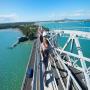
[8, 17]
[79, 14]
[76, 14]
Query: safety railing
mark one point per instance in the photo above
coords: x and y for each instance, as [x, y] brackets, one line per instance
[38, 74]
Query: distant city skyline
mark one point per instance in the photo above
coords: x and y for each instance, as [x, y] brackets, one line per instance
[40, 10]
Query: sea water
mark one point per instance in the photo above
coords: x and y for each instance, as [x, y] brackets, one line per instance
[68, 25]
[13, 62]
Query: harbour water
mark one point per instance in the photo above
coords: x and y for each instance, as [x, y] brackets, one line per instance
[12, 61]
[68, 25]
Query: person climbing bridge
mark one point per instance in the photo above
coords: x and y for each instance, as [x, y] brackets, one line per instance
[44, 49]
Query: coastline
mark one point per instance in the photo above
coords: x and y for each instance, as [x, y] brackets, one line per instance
[10, 29]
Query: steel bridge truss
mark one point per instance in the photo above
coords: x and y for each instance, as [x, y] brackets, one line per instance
[72, 76]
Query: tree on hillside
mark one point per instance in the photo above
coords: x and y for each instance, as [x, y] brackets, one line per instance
[29, 30]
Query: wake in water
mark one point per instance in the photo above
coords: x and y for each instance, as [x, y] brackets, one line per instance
[21, 39]
[14, 45]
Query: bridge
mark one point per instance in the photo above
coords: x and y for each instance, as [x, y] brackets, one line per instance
[63, 72]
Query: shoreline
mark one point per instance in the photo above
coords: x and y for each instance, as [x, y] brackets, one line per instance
[10, 29]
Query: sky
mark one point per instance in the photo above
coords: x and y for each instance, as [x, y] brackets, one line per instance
[39, 10]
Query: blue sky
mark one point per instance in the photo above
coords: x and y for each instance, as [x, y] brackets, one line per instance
[34, 10]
